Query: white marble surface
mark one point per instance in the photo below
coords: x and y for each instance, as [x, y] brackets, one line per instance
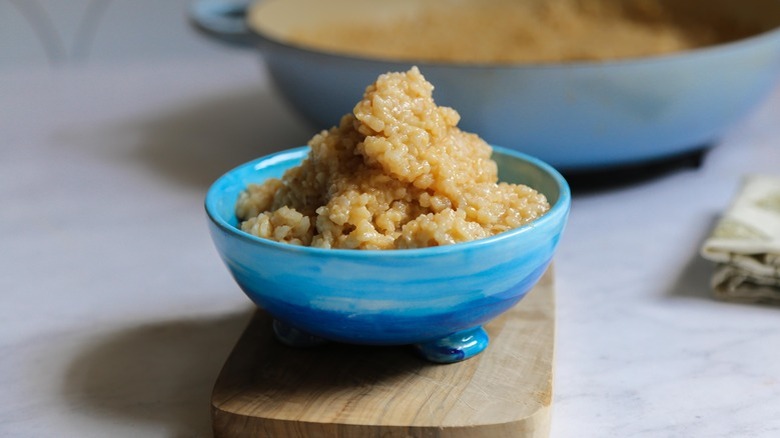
[117, 314]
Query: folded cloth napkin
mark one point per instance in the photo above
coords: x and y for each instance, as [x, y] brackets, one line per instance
[745, 244]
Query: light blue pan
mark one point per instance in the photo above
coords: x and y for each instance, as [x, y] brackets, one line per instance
[575, 116]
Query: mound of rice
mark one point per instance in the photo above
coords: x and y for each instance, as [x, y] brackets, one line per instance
[396, 173]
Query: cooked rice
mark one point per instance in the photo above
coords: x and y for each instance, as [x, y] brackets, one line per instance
[396, 173]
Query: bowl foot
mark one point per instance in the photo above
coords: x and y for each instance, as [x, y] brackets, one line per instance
[455, 347]
[294, 337]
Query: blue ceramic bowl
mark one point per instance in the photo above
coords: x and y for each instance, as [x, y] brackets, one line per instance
[434, 298]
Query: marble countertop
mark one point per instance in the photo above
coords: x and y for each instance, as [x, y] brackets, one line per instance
[117, 313]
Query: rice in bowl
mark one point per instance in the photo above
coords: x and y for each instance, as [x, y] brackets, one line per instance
[396, 173]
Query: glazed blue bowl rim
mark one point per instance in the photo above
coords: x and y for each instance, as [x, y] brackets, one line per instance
[712, 49]
[560, 207]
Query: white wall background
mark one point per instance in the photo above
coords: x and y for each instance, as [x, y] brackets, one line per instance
[57, 33]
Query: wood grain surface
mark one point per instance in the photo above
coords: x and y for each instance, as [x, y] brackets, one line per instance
[267, 389]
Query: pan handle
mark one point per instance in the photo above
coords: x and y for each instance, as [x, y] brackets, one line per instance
[223, 20]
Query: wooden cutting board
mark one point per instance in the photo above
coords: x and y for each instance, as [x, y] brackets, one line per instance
[267, 389]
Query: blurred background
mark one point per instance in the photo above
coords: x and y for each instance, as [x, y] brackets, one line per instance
[57, 33]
